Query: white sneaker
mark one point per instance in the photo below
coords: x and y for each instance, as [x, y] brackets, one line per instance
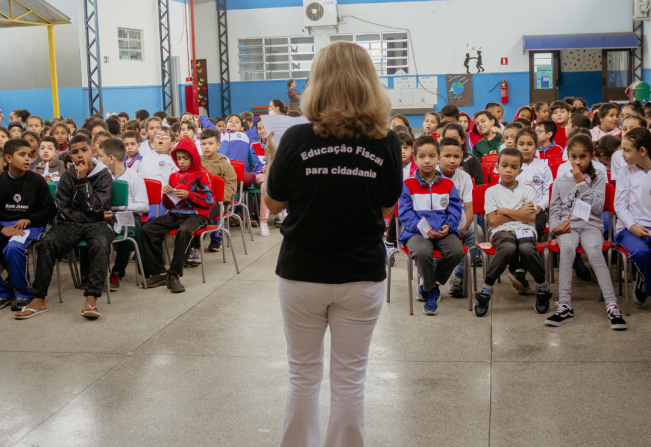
[264, 229]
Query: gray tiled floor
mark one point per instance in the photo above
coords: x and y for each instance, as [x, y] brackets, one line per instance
[208, 368]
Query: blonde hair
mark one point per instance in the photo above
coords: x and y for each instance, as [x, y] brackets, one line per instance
[344, 97]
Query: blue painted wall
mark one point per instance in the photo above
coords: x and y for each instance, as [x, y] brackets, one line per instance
[586, 85]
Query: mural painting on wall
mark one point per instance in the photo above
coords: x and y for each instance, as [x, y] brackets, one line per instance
[202, 86]
[459, 88]
[479, 63]
[581, 60]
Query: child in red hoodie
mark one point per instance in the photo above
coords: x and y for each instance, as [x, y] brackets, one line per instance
[560, 112]
[188, 197]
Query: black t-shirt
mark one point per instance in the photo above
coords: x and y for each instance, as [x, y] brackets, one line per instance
[335, 191]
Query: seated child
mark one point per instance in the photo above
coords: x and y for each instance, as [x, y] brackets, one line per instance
[219, 165]
[467, 124]
[587, 184]
[633, 207]
[525, 112]
[430, 124]
[486, 125]
[606, 122]
[419, 192]
[61, 133]
[159, 165]
[617, 161]
[131, 140]
[541, 110]
[546, 130]
[33, 139]
[192, 185]
[560, 112]
[111, 152]
[511, 214]
[35, 124]
[15, 129]
[408, 168]
[4, 136]
[606, 149]
[258, 148]
[83, 195]
[399, 120]
[469, 163]
[150, 127]
[236, 145]
[536, 173]
[98, 138]
[27, 206]
[498, 112]
[51, 167]
[575, 121]
[510, 131]
[451, 154]
[189, 130]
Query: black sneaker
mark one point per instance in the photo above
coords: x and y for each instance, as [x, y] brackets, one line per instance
[519, 281]
[640, 290]
[4, 302]
[616, 320]
[582, 272]
[277, 222]
[214, 246]
[481, 303]
[564, 314]
[19, 303]
[542, 301]
[174, 284]
[157, 281]
[193, 259]
[115, 282]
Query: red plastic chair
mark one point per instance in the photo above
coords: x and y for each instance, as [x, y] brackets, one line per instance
[217, 187]
[487, 249]
[154, 193]
[554, 167]
[410, 266]
[490, 159]
[239, 170]
[489, 175]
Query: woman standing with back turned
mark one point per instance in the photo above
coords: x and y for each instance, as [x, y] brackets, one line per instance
[345, 162]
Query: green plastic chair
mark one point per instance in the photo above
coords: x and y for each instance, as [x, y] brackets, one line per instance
[53, 188]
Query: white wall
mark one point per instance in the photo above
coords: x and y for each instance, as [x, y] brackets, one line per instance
[440, 30]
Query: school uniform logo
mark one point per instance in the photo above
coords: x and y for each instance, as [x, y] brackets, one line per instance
[17, 198]
[444, 202]
[536, 179]
[161, 164]
[237, 135]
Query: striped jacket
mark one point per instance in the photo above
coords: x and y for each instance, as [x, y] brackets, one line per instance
[439, 203]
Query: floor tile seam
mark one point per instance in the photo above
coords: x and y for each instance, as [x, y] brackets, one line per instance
[202, 299]
[73, 398]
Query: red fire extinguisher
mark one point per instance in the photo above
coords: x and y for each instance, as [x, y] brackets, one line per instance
[505, 92]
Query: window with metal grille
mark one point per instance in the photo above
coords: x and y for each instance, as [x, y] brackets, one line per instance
[130, 44]
[388, 51]
[275, 57]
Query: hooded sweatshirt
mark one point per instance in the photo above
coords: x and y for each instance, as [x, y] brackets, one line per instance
[196, 179]
[85, 200]
[533, 115]
[56, 168]
[220, 166]
[26, 197]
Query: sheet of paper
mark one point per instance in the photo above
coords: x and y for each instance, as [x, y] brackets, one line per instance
[424, 227]
[581, 210]
[278, 124]
[22, 238]
[522, 234]
[125, 218]
[174, 198]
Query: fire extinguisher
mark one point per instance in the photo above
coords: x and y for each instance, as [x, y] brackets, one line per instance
[505, 92]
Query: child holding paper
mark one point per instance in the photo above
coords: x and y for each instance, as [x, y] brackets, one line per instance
[188, 197]
[430, 210]
[111, 152]
[575, 217]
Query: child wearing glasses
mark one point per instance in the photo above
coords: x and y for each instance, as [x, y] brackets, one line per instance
[159, 165]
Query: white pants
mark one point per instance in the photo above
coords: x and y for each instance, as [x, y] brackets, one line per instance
[351, 310]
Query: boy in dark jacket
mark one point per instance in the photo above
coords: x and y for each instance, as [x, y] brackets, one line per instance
[189, 198]
[83, 199]
[26, 206]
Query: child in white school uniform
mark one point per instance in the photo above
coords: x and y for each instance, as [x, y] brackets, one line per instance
[131, 140]
[159, 165]
[633, 207]
[587, 184]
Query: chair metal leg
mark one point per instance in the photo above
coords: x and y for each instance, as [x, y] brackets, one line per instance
[619, 273]
[388, 279]
[108, 288]
[227, 233]
[59, 282]
[466, 274]
[626, 273]
[410, 275]
[203, 268]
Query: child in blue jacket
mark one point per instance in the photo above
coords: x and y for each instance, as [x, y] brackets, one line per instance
[236, 145]
[430, 196]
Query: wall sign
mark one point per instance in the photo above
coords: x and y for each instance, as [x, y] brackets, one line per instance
[459, 89]
[404, 82]
[202, 87]
[428, 82]
[544, 77]
[504, 61]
